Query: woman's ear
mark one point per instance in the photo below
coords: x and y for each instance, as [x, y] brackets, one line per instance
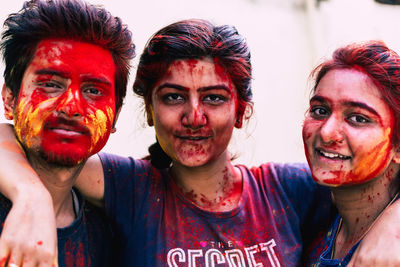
[396, 157]
[8, 102]
[149, 113]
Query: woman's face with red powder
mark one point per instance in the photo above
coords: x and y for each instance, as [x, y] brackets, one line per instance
[194, 111]
[348, 130]
[66, 104]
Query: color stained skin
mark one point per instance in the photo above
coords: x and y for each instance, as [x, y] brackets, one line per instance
[348, 130]
[193, 110]
[66, 105]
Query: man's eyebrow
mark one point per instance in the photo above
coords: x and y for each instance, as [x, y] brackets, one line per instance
[348, 103]
[52, 72]
[64, 74]
[93, 79]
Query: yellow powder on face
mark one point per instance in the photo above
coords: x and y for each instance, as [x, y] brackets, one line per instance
[98, 124]
[373, 161]
[29, 121]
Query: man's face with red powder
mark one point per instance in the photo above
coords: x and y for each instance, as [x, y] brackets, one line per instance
[66, 105]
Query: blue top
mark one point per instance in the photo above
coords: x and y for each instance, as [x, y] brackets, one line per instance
[86, 242]
[321, 250]
[321, 255]
[156, 225]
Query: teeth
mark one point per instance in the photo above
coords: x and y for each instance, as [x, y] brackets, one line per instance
[332, 155]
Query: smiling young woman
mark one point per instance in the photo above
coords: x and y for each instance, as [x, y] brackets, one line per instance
[351, 141]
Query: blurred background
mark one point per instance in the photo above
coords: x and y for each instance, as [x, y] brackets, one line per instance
[287, 39]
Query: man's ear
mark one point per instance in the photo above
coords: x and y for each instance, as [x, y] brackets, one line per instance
[8, 102]
[113, 129]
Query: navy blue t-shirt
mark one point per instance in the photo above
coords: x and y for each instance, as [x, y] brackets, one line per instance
[321, 251]
[156, 225]
[86, 242]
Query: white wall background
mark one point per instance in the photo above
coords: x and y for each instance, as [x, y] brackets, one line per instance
[287, 38]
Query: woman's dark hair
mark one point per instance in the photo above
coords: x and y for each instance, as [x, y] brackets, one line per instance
[72, 19]
[194, 39]
[379, 62]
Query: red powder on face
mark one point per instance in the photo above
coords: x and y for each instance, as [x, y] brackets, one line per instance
[192, 63]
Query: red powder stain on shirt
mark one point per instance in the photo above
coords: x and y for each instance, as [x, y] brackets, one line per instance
[40, 242]
[80, 256]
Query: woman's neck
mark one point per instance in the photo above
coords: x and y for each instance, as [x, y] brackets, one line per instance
[216, 186]
[359, 207]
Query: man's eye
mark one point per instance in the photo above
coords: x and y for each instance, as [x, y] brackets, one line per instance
[93, 91]
[49, 84]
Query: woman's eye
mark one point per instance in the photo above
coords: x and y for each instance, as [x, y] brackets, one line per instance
[214, 99]
[358, 119]
[173, 98]
[318, 112]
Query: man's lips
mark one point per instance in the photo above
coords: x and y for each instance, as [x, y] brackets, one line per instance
[70, 129]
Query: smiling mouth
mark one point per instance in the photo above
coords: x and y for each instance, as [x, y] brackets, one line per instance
[331, 155]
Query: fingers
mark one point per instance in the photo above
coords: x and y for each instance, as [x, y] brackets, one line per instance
[4, 254]
[15, 259]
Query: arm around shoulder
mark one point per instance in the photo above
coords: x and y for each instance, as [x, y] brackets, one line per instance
[90, 181]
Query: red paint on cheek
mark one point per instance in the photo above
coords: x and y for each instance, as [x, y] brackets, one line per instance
[36, 98]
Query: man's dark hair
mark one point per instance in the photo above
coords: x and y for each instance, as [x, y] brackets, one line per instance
[71, 19]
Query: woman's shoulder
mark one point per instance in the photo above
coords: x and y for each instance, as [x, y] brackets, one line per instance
[280, 171]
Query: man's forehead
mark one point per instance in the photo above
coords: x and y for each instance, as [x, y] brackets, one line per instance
[74, 56]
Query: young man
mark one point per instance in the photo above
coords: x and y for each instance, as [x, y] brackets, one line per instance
[67, 64]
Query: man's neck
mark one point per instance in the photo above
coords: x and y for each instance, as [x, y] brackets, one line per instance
[59, 181]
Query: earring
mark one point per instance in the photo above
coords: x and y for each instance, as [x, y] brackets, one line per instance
[238, 123]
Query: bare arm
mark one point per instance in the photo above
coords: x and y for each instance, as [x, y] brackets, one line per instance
[381, 246]
[90, 181]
